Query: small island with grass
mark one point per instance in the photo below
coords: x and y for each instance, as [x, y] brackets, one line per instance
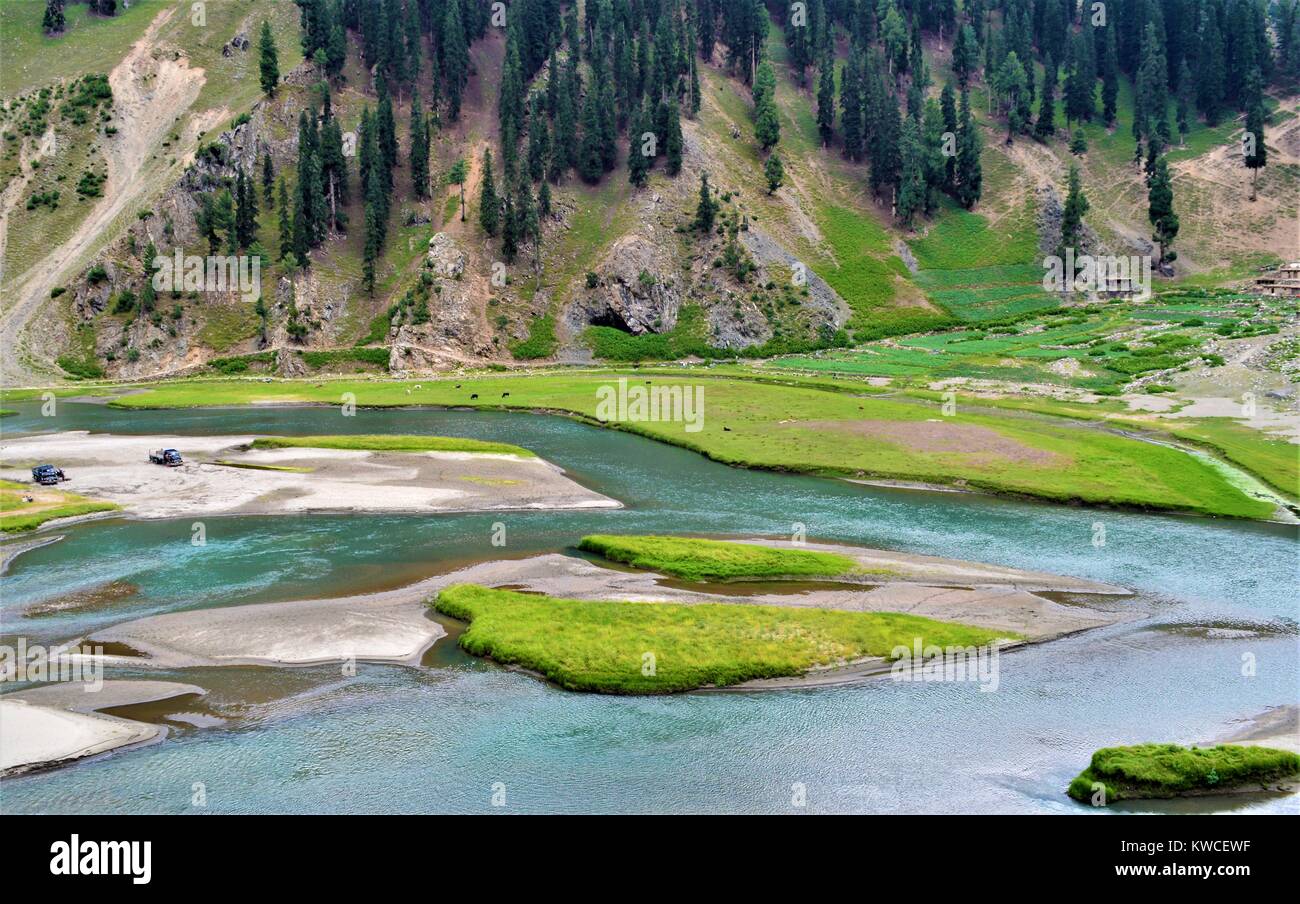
[1167, 770]
[696, 559]
[619, 647]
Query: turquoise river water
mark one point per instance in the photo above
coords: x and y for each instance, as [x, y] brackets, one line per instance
[447, 736]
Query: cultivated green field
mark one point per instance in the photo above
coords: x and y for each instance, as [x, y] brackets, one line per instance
[696, 559]
[608, 647]
[808, 430]
[1167, 770]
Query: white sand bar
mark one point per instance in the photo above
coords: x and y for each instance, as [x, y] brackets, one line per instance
[117, 469]
[393, 625]
[55, 724]
[390, 626]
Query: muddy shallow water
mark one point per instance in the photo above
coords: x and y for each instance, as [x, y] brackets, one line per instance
[437, 738]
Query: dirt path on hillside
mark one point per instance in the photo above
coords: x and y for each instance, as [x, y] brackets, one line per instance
[148, 96]
[479, 125]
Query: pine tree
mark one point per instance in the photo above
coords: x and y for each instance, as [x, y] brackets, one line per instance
[608, 127]
[270, 59]
[969, 173]
[1109, 77]
[1076, 205]
[539, 140]
[419, 148]
[774, 171]
[674, 145]
[457, 175]
[489, 205]
[948, 107]
[374, 230]
[911, 188]
[334, 174]
[591, 157]
[965, 55]
[1211, 68]
[1160, 211]
[707, 208]
[386, 132]
[767, 125]
[1256, 153]
[562, 156]
[286, 222]
[851, 110]
[1046, 126]
[54, 21]
[268, 179]
[886, 155]
[455, 57]
[1012, 84]
[544, 200]
[509, 226]
[826, 100]
[638, 162]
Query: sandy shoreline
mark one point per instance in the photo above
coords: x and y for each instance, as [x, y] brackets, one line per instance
[54, 724]
[290, 480]
[1278, 726]
[393, 626]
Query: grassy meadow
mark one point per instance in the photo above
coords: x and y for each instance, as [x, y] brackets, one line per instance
[802, 429]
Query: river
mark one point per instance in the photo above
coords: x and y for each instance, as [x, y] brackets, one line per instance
[1219, 644]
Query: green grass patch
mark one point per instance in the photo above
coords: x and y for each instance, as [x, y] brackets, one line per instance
[347, 358]
[606, 647]
[251, 466]
[695, 559]
[391, 444]
[1167, 770]
[807, 429]
[540, 342]
[17, 515]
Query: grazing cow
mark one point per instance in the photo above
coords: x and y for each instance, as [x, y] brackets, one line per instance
[505, 395]
[473, 396]
[726, 429]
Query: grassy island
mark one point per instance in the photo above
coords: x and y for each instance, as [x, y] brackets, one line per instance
[659, 648]
[371, 443]
[695, 559]
[1167, 770]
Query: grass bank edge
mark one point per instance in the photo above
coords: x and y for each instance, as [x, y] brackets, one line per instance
[1230, 501]
[14, 521]
[1142, 771]
[600, 646]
